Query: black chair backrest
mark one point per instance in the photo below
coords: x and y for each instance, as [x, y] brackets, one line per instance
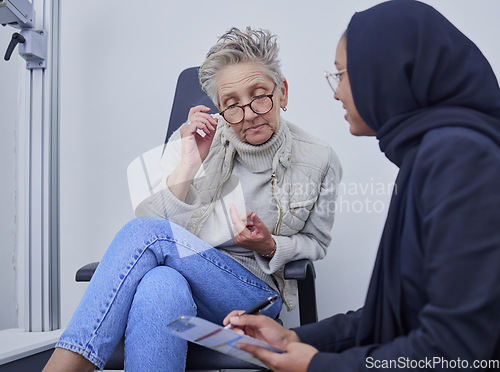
[188, 93]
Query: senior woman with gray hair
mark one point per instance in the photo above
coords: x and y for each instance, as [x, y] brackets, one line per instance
[237, 196]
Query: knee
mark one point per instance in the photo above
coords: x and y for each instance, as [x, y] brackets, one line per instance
[166, 290]
[142, 224]
[141, 230]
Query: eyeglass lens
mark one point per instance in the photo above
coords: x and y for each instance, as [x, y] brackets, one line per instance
[333, 81]
[260, 105]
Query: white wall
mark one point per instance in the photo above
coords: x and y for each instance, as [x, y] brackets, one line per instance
[120, 61]
[8, 126]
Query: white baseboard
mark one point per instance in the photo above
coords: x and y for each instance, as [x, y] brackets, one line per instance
[15, 343]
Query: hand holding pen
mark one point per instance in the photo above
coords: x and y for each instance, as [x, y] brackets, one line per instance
[257, 308]
[261, 327]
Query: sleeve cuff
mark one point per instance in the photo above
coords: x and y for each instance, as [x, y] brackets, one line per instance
[285, 251]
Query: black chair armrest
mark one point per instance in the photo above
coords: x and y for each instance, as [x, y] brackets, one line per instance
[297, 270]
[300, 270]
[303, 271]
[84, 274]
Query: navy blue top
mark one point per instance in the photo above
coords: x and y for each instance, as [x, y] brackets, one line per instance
[434, 102]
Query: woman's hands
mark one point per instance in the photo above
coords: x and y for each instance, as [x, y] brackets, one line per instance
[195, 146]
[251, 233]
[262, 328]
[297, 355]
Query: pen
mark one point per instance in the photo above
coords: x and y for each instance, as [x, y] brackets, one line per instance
[258, 307]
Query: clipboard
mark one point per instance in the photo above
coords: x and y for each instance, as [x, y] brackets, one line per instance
[216, 337]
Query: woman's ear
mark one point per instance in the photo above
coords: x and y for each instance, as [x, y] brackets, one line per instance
[284, 93]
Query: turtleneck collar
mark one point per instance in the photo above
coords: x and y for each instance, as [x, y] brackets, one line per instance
[257, 158]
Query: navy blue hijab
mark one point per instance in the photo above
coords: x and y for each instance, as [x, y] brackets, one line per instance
[411, 71]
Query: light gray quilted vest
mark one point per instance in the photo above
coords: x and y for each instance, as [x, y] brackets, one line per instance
[299, 168]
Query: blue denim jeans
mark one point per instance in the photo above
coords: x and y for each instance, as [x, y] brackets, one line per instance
[153, 272]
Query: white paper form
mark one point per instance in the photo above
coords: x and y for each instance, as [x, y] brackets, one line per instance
[216, 337]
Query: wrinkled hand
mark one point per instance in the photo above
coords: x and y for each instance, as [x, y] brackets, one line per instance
[250, 232]
[195, 147]
[297, 355]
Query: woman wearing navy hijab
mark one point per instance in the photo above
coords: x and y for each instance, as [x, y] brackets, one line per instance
[408, 76]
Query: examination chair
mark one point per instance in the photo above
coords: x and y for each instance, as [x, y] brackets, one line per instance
[188, 94]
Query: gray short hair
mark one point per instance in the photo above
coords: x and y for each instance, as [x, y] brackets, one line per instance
[237, 46]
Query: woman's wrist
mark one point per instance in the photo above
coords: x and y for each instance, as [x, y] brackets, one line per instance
[271, 253]
[180, 180]
[292, 336]
[187, 168]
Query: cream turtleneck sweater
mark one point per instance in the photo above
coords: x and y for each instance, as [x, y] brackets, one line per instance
[248, 188]
[257, 158]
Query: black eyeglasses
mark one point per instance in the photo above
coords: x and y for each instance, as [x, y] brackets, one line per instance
[260, 105]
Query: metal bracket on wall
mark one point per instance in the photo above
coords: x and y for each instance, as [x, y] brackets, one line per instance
[32, 47]
[38, 159]
[32, 43]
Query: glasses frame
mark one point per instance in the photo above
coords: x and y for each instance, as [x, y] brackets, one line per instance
[333, 79]
[270, 96]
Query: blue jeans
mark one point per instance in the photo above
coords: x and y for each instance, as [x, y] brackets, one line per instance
[153, 272]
